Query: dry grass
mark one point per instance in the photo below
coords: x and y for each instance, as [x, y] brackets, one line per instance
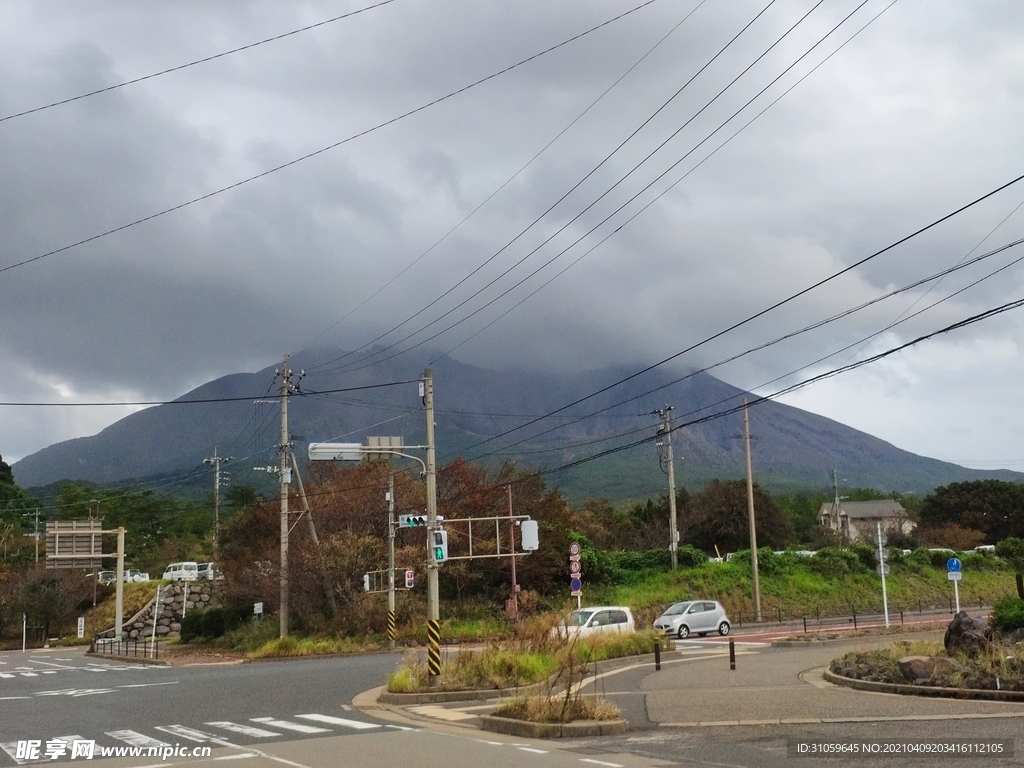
[563, 708]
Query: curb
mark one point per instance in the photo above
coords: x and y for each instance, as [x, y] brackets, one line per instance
[130, 659]
[525, 729]
[922, 690]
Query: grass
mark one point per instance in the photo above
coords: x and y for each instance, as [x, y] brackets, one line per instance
[498, 666]
[307, 646]
[557, 709]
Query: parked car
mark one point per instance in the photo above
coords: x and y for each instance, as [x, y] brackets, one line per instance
[596, 620]
[182, 572]
[699, 616]
[135, 575]
[107, 577]
[209, 572]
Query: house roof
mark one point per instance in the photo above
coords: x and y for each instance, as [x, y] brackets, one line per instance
[872, 509]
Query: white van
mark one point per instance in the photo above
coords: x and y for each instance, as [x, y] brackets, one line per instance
[182, 572]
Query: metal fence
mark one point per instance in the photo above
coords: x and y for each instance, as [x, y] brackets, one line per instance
[853, 617]
[135, 648]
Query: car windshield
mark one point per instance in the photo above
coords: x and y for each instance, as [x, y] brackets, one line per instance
[578, 618]
[677, 609]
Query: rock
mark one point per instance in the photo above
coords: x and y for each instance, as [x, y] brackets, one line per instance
[914, 668]
[162, 630]
[175, 627]
[1014, 637]
[967, 635]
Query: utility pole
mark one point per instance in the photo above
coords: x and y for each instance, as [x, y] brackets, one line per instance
[215, 461]
[391, 558]
[673, 530]
[433, 608]
[512, 549]
[750, 512]
[285, 472]
[35, 528]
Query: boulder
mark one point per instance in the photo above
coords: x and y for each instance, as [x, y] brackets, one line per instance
[967, 635]
[915, 668]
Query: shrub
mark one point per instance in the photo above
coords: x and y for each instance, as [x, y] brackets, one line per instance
[191, 626]
[1008, 614]
[835, 561]
[213, 622]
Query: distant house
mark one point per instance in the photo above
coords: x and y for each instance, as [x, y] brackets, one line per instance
[858, 520]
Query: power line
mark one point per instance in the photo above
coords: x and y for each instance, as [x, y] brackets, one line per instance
[322, 150]
[203, 60]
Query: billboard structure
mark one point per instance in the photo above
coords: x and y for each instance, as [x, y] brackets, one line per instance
[74, 544]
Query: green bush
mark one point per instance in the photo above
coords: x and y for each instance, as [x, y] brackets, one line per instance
[1008, 614]
[213, 622]
[919, 559]
[835, 561]
[191, 626]
[690, 557]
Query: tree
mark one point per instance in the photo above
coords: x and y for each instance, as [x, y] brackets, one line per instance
[1012, 551]
[994, 507]
[718, 516]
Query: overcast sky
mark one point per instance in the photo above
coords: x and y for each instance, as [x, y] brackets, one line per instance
[916, 116]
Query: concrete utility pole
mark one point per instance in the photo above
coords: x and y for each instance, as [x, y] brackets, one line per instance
[433, 607]
[512, 549]
[215, 461]
[35, 528]
[285, 471]
[673, 530]
[750, 512]
[391, 558]
[332, 604]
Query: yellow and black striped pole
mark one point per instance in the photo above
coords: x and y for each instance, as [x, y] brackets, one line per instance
[391, 627]
[434, 648]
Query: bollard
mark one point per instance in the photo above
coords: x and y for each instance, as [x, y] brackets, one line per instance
[805, 625]
[732, 654]
[854, 618]
[657, 654]
[901, 617]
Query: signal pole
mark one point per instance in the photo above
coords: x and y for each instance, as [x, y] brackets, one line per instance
[433, 608]
[750, 512]
[215, 461]
[391, 558]
[673, 531]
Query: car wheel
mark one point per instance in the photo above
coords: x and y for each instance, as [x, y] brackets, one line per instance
[723, 628]
[702, 634]
[683, 632]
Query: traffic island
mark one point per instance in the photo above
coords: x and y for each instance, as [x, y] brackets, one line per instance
[526, 729]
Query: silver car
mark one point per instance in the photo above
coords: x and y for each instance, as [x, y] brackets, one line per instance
[693, 616]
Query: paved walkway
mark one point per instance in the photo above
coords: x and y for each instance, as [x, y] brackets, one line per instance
[695, 687]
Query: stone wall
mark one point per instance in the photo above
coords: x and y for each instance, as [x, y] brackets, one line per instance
[173, 605]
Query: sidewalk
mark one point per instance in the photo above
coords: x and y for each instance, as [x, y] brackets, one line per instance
[770, 685]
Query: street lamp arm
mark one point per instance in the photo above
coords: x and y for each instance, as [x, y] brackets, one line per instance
[393, 452]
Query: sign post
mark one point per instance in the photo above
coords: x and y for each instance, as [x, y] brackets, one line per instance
[955, 568]
[575, 573]
[883, 567]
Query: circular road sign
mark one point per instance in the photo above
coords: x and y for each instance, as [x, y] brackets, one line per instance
[575, 585]
[574, 548]
[575, 567]
[953, 565]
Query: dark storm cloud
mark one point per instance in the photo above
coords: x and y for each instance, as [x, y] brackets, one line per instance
[915, 117]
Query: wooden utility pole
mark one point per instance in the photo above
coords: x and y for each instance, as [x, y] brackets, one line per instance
[750, 512]
[215, 461]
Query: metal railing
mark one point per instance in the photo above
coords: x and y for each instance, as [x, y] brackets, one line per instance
[132, 647]
[853, 617]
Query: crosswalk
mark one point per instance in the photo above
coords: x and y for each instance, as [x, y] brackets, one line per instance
[216, 732]
[11, 672]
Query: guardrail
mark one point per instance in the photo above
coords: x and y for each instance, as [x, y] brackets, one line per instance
[139, 649]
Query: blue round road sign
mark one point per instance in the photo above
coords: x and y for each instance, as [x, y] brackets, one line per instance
[954, 564]
[575, 585]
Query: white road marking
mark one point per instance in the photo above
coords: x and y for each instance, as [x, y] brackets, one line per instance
[11, 748]
[148, 685]
[33, 674]
[432, 710]
[6, 674]
[12, 698]
[401, 727]
[245, 730]
[601, 762]
[288, 725]
[535, 751]
[137, 739]
[359, 725]
[236, 757]
[50, 664]
[185, 733]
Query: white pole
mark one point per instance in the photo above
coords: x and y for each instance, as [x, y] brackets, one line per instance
[24, 631]
[156, 612]
[881, 571]
[956, 593]
[184, 599]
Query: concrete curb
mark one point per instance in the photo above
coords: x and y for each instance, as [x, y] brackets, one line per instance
[578, 729]
[922, 690]
[130, 659]
[446, 697]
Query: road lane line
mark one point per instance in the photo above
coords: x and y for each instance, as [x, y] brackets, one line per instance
[535, 751]
[185, 733]
[136, 739]
[358, 724]
[601, 762]
[288, 725]
[246, 730]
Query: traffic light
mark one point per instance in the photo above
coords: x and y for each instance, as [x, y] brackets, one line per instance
[530, 535]
[440, 546]
[412, 521]
[410, 579]
[366, 582]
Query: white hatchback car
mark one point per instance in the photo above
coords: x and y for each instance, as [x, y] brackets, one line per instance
[584, 622]
[700, 616]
